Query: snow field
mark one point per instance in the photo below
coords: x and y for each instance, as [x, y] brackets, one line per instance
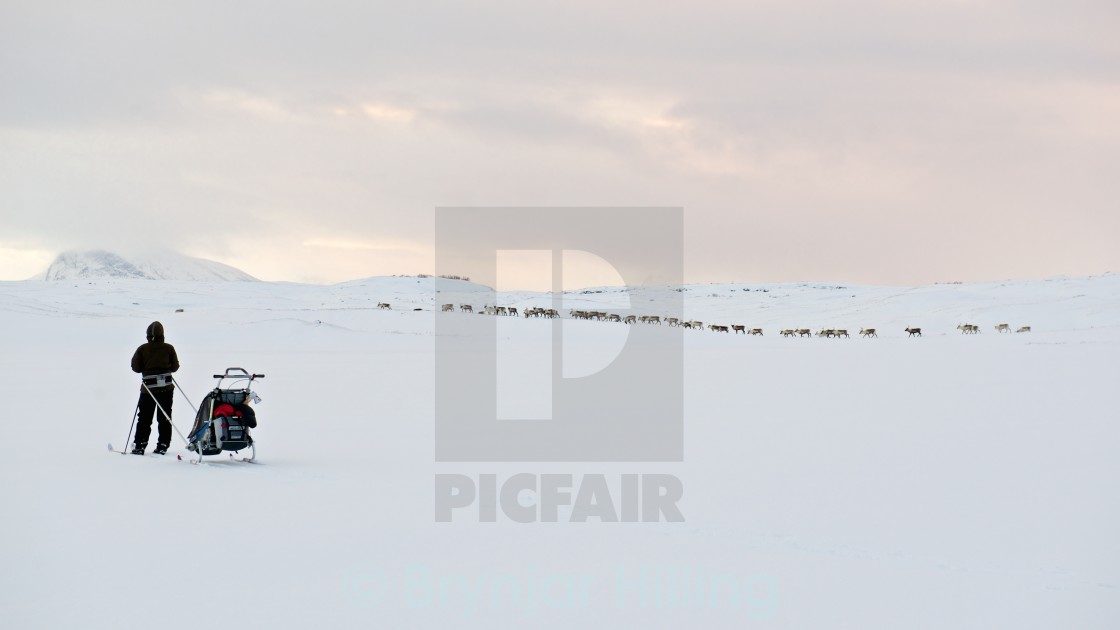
[945, 482]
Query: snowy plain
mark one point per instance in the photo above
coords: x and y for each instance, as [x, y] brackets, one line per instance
[949, 481]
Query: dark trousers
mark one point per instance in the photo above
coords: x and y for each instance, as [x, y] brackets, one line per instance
[148, 409]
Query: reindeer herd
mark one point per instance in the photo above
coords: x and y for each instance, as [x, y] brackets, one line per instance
[973, 329]
[828, 333]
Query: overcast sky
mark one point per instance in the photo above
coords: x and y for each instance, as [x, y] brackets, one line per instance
[881, 142]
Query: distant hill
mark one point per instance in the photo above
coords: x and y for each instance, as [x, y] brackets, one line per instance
[167, 266]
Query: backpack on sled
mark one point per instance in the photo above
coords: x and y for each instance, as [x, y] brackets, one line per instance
[224, 417]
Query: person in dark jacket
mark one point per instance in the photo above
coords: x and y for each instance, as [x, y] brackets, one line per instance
[151, 359]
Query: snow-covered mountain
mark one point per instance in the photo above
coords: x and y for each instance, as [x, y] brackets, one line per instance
[163, 266]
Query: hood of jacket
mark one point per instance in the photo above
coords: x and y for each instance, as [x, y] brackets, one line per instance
[155, 332]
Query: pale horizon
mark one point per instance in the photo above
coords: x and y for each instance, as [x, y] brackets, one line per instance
[581, 275]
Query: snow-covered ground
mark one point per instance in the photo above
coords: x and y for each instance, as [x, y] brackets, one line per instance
[950, 481]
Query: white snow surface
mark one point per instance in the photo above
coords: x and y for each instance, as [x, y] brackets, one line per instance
[948, 481]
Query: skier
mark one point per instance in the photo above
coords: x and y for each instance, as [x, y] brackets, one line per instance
[154, 358]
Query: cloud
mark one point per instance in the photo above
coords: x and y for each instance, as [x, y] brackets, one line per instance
[803, 139]
[254, 105]
[387, 113]
[382, 246]
[22, 262]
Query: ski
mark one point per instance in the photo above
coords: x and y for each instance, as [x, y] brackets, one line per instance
[178, 456]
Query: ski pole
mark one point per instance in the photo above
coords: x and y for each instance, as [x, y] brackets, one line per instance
[135, 414]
